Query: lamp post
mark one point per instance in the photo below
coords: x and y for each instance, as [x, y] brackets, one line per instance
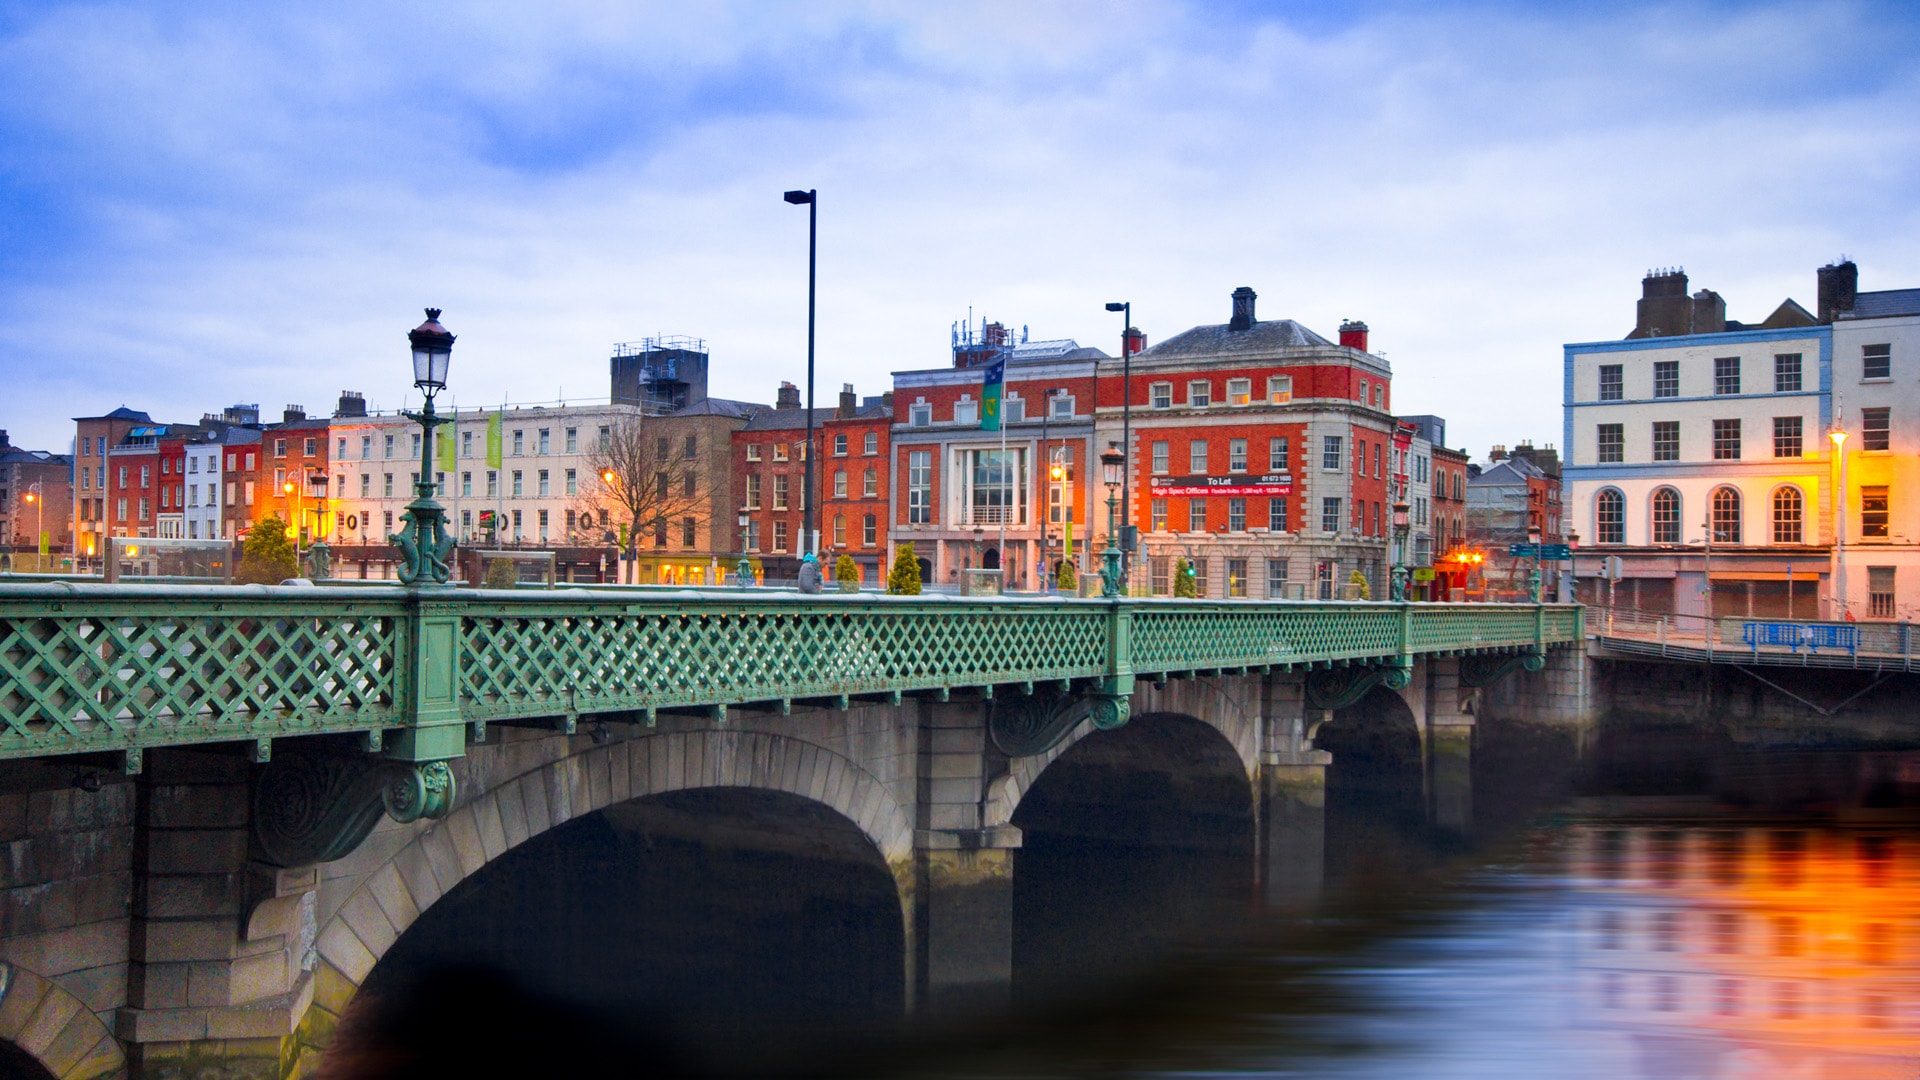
[291, 490]
[811, 200]
[33, 499]
[743, 570]
[1400, 527]
[1113, 463]
[1125, 308]
[1049, 477]
[1839, 438]
[424, 543]
[1533, 575]
[1569, 594]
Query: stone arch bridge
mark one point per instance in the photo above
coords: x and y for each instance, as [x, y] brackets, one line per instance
[229, 810]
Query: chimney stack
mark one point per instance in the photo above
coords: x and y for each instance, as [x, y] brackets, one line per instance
[1136, 341]
[789, 397]
[1353, 334]
[1243, 298]
[848, 403]
[1839, 288]
[292, 413]
[4, 444]
[352, 403]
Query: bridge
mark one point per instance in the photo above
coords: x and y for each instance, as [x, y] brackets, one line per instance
[228, 809]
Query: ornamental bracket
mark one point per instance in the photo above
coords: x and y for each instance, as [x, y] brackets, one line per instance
[1481, 671]
[315, 808]
[1338, 688]
[1023, 725]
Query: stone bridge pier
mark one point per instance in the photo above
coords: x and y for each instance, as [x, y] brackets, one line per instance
[845, 862]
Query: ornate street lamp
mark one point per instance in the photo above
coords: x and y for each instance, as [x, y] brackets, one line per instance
[1124, 308]
[743, 570]
[1113, 466]
[425, 546]
[1400, 529]
[1533, 576]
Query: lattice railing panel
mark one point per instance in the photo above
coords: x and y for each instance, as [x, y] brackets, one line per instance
[163, 673]
[520, 662]
[1183, 636]
[1477, 626]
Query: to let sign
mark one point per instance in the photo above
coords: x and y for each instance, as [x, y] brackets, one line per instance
[1269, 484]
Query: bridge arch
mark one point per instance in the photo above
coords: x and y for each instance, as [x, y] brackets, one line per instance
[57, 1032]
[389, 900]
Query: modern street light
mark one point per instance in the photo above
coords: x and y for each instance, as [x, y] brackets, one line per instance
[811, 200]
[1125, 309]
[423, 541]
[1113, 464]
[1839, 438]
[1054, 474]
[33, 499]
[1400, 529]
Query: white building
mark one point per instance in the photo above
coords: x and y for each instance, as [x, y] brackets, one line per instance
[203, 488]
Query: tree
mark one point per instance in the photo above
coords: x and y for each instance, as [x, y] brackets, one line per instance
[846, 573]
[1067, 578]
[1359, 579]
[904, 579]
[501, 574]
[267, 557]
[641, 482]
[1185, 583]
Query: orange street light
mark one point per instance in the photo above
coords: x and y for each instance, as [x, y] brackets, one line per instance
[606, 476]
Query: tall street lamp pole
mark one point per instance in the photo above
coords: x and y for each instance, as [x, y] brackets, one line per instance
[1114, 464]
[811, 200]
[424, 543]
[1839, 438]
[1125, 308]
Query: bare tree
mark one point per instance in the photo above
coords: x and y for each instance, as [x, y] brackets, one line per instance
[641, 482]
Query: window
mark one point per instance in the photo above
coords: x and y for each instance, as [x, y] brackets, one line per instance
[779, 493]
[870, 484]
[869, 531]
[690, 448]
[518, 488]
[1360, 456]
[1363, 391]
[1610, 517]
[966, 411]
[339, 452]
[1880, 595]
[872, 445]
[1876, 361]
[1236, 515]
[1014, 409]
[1160, 395]
[1330, 515]
[753, 451]
[1277, 514]
[1787, 506]
[416, 447]
[919, 414]
[1666, 516]
[753, 534]
[541, 479]
[1612, 387]
[1237, 578]
[1786, 437]
[519, 442]
[779, 451]
[1331, 458]
[780, 535]
[1666, 440]
[1726, 374]
[1157, 509]
[1726, 440]
[493, 483]
[573, 440]
[1612, 443]
[1873, 428]
[546, 443]
[839, 530]
[1277, 455]
[920, 487]
[573, 482]
[1377, 470]
[386, 485]
[1197, 515]
[1873, 512]
[753, 491]
[1197, 457]
[1726, 515]
[1200, 393]
[840, 445]
[839, 485]
[1157, 578]
[1239, 391]
[1062, 408]
[366, 485]
[279, 448]
[1786, 372]
[1237, 455]
[1199, 565]
[1276, 579]
[1666, 378]
[606, 436]
[1160, 466]
[1279, 389]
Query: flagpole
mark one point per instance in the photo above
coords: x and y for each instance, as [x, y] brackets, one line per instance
[1006, 480]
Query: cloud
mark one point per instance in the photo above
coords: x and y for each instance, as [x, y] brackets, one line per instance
[205, 203]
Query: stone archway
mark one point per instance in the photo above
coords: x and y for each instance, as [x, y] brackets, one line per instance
[436, 859]
[1376, 787]
[54, 1029]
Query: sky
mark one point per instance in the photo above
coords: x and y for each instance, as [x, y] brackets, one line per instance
[208, 203]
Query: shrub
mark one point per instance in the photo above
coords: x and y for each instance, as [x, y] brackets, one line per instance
[846, 573]
[1359, 579]
[1067, 578]
[1185, 584]
[267, 557]
[904, 578]
[501, 574]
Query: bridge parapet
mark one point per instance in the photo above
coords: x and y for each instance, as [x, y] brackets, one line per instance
[92, 668]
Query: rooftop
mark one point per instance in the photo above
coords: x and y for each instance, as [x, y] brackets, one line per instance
[1884, 304]
[1219, 339]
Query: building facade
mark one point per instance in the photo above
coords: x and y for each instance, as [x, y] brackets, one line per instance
[854, 449]
[36, 506]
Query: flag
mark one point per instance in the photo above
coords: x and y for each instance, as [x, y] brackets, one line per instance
[443, 443]
[494, 456]
[1068, 555]
[990, 396]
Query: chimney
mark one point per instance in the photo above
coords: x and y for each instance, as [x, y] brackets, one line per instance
[1839, 287]
[1353, 335]
[1664, 310]
[4, 444]
[352, 403]
[789, 397]
[1498, 453]
[848, 403]
[1243, 319]
[1136, 341]
[886, 398]
[292, 413]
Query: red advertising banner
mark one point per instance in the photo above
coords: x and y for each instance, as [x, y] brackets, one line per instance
[1178, 486]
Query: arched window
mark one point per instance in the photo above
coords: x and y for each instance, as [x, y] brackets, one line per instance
[1609, 517]
[1726, 515]
[1788, 505]
[839, 530]
[1666, 516]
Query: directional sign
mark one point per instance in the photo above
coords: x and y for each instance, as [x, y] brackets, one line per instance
[1544, 552]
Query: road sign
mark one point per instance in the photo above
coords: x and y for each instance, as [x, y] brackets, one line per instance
[1423, 573]
[1544, 552]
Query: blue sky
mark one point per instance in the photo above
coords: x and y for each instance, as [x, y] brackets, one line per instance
[207, 203]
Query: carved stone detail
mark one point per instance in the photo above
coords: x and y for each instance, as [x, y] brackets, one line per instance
[1481, 671]
[1033, 724]
[315, 808]
[1337, 688]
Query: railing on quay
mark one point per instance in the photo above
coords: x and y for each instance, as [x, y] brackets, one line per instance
[88, 668]
[1735, 639]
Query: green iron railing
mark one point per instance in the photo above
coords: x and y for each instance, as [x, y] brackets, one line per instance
[86, 668]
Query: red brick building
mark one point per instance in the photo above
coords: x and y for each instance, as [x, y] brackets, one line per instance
[769, 468]
[292, 453]
[97, 495]
[854, 445]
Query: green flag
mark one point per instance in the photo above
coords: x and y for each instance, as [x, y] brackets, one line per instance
[443, 444]
[990, 395]
[494, 455]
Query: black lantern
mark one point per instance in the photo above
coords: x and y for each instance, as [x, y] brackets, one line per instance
[1113, 464]
[432, 349]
